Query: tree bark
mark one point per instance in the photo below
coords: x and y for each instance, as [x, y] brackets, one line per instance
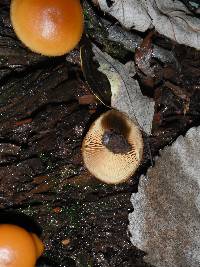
[42, 125]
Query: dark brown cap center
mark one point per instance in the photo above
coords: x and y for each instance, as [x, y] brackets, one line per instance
[116, 142]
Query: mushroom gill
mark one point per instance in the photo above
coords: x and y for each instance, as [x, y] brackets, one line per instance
[113, 147]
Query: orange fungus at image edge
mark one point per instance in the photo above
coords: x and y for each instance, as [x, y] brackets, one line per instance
[48, 27]
[18, 248]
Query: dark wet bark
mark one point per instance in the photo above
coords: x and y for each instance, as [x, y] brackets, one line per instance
[42, 125]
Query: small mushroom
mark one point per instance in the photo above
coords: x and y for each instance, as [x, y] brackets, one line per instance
[48, 27]
[18, 248]
[113, 147]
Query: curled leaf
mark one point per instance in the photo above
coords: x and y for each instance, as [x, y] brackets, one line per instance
[126, 94]
[170, 18]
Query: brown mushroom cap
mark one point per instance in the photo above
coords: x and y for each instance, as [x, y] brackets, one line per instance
[108, 163]
[48, 27]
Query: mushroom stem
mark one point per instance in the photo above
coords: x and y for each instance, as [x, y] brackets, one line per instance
[116, 142]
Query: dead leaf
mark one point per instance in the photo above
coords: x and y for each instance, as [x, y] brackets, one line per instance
[126, 94]
[170, 18]
[174, 20]
[166, 218]
[130, 13]
[131, 40]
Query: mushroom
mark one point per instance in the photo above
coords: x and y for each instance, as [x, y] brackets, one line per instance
[113, 147]
[18, 248]
[48, 27]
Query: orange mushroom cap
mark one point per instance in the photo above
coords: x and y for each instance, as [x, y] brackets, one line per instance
[113, 147]
[39, 246]
[18, 247]
[48, 27]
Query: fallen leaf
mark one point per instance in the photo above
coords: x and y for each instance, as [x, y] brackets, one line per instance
[170, 18]
[166, 219]
[131, 40]
[126, 94]
[174, 20]
[130, 13]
